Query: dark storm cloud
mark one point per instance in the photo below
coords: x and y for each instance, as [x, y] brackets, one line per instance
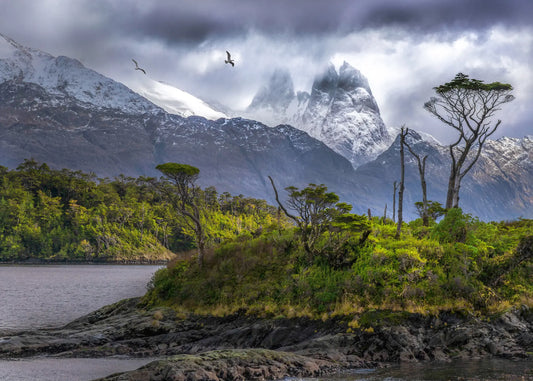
[196, 21]
[449, 15]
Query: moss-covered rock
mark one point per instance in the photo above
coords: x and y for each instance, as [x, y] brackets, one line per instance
[228, 365]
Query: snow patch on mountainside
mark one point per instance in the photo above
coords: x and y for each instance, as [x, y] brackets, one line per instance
[172, 99]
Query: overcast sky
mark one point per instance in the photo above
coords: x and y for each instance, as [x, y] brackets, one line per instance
[403, 47]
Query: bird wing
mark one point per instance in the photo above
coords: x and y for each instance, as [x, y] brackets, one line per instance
[135, 62]
[142, 70]
[229, 55]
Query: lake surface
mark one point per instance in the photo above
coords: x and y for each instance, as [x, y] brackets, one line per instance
[51, 296]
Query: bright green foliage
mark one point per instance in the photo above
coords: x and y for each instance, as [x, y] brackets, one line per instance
[68, 215]
[178, 170]
[256, 260]
[461, 81]
[489, 268]
[453, 227]
[325, 225]
[434, 209]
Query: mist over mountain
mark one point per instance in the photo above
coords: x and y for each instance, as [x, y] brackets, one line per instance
[55, 110]
[340, 111]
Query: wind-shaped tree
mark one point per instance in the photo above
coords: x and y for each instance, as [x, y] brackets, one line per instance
[467, 105]
[183, 196]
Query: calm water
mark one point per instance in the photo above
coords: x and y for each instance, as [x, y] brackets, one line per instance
[51, 296]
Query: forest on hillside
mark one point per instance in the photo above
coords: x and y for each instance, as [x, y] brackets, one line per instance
[65, 215]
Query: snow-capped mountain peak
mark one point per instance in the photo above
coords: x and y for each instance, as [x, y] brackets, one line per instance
[340, 111]
[63, 76]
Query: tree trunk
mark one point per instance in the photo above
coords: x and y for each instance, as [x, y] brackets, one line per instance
[422, 170]
[451, 186]
[456, 193]
[425, 217]
[200, 240]
[402, 182]
[395, 185]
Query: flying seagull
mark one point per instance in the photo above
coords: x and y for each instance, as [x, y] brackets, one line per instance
[229, 60]
[137, 66]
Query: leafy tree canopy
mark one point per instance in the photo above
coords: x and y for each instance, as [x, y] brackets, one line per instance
[461, 81]
[176, 170]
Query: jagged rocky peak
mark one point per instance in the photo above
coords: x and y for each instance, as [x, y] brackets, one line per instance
[343, 113]
[340, 111]
[350, 78]
[327, 82]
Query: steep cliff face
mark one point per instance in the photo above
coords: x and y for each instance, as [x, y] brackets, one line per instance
[340, 111]
[343, 113]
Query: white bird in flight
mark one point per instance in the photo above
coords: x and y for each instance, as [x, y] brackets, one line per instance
[229, 60]
[137, 66]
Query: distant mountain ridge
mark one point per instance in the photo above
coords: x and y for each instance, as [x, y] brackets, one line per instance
[64, 76]
[499, 186]
[55, 110]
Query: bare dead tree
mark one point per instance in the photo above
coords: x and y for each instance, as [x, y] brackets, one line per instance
[467, 105]
[422, 172]
[403, 134]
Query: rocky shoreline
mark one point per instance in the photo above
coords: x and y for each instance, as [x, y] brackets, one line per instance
[242, 347]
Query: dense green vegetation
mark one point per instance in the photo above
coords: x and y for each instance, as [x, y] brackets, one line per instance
[459, 264]
[315, 259]
[58, 215]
